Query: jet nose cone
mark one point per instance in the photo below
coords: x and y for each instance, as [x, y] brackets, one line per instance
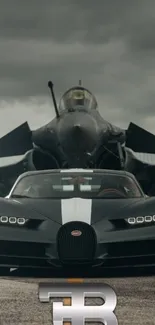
[78, 135]
[80, 132]
[77, 126]
[77, 129]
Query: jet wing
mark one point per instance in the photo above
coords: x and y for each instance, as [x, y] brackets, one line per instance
[9, 161]
[16, 142]
[144, 158]
[11, 168]
[145, 141]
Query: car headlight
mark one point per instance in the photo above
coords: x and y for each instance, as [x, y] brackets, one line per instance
[141, 220]
[13, 220]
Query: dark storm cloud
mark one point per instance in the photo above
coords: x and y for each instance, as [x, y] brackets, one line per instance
[63, 20]
[60, 20]
[74, 20]
[109, 44]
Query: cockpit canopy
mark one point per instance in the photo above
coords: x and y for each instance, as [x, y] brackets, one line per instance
[77, 97]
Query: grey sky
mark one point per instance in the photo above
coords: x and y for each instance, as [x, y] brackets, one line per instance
[109, 44]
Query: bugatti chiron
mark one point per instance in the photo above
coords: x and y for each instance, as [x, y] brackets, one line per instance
[69, 219]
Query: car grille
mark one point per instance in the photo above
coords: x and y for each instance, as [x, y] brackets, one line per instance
[79, 249]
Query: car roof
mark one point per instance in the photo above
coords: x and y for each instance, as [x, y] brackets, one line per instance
[79, 170]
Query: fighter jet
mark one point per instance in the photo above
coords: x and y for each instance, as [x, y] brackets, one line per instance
[78, 137]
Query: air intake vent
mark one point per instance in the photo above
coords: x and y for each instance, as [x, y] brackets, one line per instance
[76, 243]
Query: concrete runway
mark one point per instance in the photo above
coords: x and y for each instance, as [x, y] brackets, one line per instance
[19, 303]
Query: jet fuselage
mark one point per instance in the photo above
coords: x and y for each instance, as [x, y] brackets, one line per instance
[75, 135]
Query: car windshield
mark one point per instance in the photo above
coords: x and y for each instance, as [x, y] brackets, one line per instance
[83, 185]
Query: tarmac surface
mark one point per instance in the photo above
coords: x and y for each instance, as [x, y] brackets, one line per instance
[20, 305]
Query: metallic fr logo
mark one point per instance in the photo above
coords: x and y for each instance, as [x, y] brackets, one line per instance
[77, 313]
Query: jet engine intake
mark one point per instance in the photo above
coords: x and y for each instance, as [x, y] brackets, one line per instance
[37, 159]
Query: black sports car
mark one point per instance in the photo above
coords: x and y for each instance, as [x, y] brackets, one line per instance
[66, 219]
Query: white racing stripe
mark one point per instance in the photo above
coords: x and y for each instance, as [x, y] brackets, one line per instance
[76, 209]
[76, 170]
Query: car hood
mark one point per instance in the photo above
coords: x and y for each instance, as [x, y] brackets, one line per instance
[87, 210]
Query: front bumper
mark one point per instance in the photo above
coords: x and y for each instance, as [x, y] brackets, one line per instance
[37, 248]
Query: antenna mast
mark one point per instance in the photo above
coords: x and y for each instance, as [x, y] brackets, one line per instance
[50, 85]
